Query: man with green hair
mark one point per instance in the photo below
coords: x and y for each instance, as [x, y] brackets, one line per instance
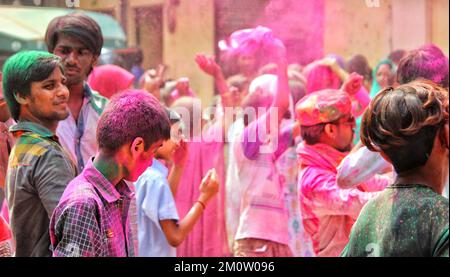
[39, 169]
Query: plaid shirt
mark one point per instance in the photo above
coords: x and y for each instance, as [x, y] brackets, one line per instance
[38, 173]
[91, 220]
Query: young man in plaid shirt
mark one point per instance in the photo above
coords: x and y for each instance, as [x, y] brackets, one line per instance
[91, 219]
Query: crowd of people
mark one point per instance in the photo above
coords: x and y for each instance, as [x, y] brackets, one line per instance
[323, 160]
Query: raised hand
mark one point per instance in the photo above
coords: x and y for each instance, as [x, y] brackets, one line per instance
[181, 154]
[353, 83]
[153, 78]
[328, 61]
[207, 65]
[276, 49]
[209, 186]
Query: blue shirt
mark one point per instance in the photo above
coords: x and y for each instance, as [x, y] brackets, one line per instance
[155, 202]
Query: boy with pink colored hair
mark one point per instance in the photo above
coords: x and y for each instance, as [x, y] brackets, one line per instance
[91, 219]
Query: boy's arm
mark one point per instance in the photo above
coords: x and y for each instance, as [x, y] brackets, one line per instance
[280, 105]
[179, 161]
[360, 98]
[210, 67]
[359, 167]
[75, 232]
[176, 233]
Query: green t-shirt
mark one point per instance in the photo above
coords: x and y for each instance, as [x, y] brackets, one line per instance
[403, 220]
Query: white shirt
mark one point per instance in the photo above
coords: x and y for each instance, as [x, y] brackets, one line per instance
[79, 138]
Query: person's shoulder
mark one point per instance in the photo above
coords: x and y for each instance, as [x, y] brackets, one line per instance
[426, 198]
[79, 191]
[152, 178]
[375, 204]
[30, 147]
[98, 102]
[426, 205]
[315, 177]
[32, 142]
[437, 206]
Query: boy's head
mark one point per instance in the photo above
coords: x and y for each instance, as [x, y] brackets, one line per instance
[34, 83]
[427, 62]
[166, 151]
[78, 40]
[134, 124]
[405, 123]
[190, 110]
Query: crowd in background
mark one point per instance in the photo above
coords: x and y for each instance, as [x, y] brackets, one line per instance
[343, 160]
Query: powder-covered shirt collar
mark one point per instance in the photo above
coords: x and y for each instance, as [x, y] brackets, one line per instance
[110, 192]
[28, 126]
[157, 165]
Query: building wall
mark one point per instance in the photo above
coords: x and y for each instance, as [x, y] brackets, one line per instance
[102, 5]
[377, 27]
[439, 24]
[373, 28]
[410, 23]
[353, 27]
[194, 34]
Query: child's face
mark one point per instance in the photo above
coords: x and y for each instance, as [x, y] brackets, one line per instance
[169, 146]
[141, 160]
[165, 152]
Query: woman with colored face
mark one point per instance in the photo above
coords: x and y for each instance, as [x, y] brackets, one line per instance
[383, 76]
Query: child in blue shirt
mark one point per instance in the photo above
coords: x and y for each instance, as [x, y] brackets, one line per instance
[159, 228]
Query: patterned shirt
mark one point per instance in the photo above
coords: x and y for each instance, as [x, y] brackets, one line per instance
[403, 221]
[262, 192]
[91, 220]
[79, 137]
[38, 172]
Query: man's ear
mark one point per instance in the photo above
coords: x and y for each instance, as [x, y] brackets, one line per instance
[137, 146]
[330, 131]
[94, 61]
[21, 100]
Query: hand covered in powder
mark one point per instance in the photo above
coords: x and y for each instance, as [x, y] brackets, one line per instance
[208, 65]
[209, 186]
